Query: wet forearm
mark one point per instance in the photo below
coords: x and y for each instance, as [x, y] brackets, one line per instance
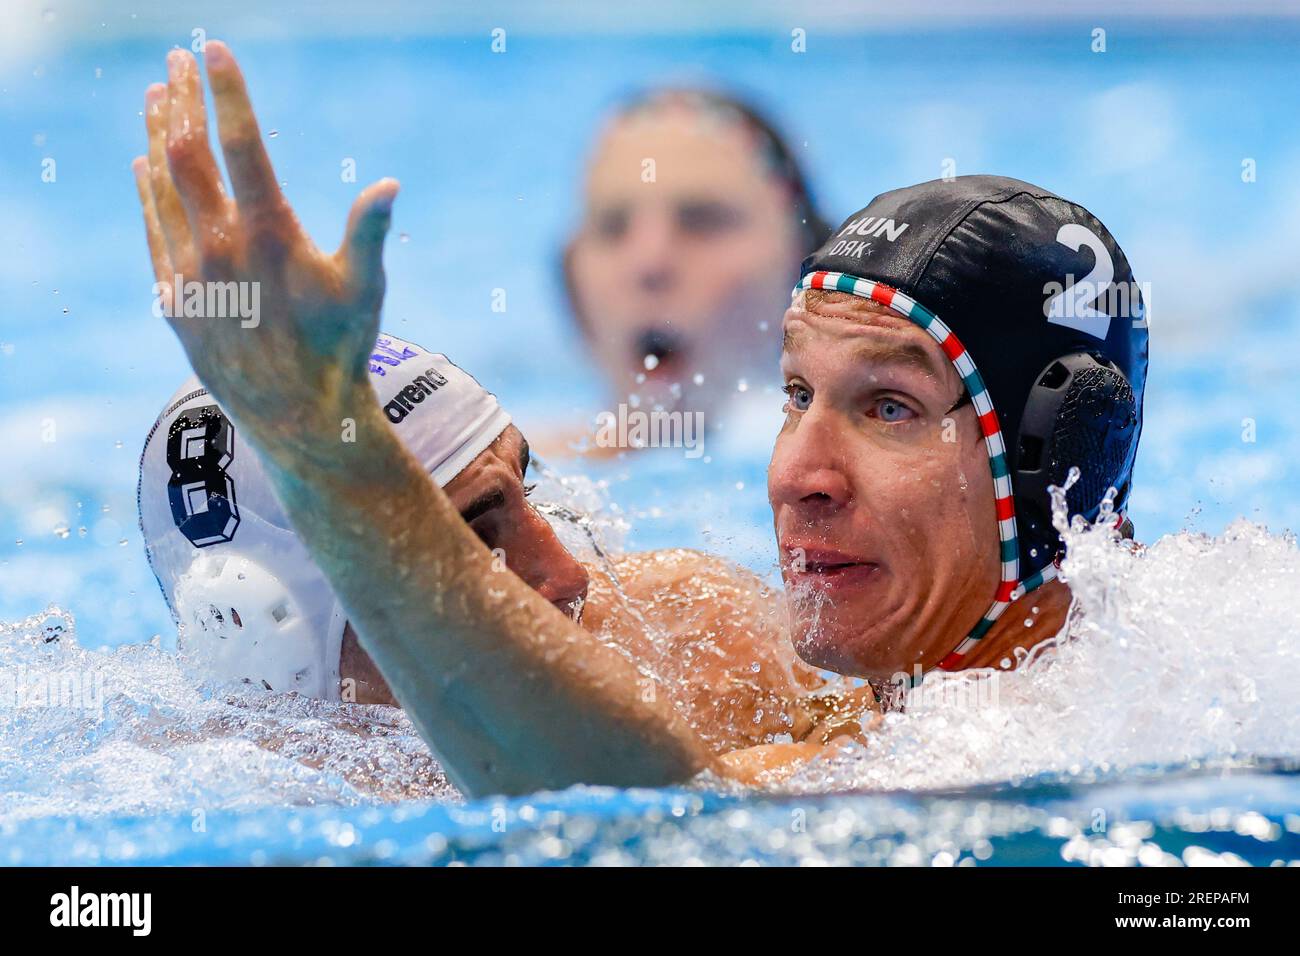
[510, 694]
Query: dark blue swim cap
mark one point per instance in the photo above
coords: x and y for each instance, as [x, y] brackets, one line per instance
[1033, 300]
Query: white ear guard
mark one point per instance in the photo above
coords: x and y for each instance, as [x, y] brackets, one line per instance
[238, 621]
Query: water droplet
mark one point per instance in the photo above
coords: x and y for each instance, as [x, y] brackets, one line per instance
[61, 531]
[698, 379]
[273, 134]
[651, 362]
[405, 237]
[742, 386]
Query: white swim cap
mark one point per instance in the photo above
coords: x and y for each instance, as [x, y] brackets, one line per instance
[248, 600]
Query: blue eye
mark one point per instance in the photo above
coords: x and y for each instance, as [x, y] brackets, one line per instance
[891, 410]
[798, 397]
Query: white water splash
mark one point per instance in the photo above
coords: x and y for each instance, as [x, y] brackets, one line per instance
[1183, 652]
[84, 732]
[1187, 651]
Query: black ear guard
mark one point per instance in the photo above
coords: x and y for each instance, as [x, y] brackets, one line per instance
[994, 258]
[1081, 413]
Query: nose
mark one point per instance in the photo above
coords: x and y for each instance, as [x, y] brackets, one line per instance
[650, 252]
[566, 585]
[808, 470]
[547, 567]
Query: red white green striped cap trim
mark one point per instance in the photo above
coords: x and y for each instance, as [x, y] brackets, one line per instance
[1010, 588]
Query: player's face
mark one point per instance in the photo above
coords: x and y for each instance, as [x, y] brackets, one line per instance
[881, 493]
[492, 497]
[687, 244]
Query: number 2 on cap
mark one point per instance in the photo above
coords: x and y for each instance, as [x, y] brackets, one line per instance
[1071, 307]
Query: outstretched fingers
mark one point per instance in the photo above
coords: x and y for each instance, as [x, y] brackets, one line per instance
[362, 251]
[167, 202]
[162, 268]
[251, 175]
[193, 167]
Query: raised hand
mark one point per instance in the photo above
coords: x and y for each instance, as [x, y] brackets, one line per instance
[510, 693]
[309, 319]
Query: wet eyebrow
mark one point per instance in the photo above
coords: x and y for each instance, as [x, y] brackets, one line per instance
[496, 497]
[911, 354]
[908, 354]
[482, 505]
[790, 340]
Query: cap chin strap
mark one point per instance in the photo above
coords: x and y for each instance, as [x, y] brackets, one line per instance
[1010, 588]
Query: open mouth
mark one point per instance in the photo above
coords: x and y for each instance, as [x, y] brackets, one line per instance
[825, 570]
[658, 353]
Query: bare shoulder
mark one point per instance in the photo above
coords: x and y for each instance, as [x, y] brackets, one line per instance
[710, 602]
[714, 637]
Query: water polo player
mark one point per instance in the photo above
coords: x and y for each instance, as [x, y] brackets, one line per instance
[695, 213]
[908, 484]
[251, 605]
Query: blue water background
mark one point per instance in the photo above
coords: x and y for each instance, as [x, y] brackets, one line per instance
[1151, 136]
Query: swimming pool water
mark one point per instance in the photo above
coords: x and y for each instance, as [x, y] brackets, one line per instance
[1151, 136]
